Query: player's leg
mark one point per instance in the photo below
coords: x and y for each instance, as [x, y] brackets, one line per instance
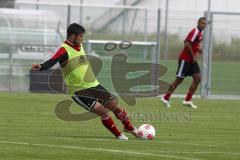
[180, 75]
[194, 85]
[109, 101]
[107, 120]
[122, 115]
[166, 97]
[196, 79]
[172, 87]
[91, 104]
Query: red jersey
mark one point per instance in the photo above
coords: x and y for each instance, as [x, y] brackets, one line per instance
[194, 37]
[60, 55]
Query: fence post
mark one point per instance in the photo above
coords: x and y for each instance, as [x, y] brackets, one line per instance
[68, 14]
[156, 55]
[206, 64]
[166, 32]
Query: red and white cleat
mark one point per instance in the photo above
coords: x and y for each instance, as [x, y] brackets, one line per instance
[189, 104]
[136, 132]
[122, 137]
[165, 102]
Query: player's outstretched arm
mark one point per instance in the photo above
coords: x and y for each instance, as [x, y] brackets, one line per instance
[60, 56]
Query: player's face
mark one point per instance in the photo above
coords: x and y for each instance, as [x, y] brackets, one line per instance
[79, 39]
[202, 24]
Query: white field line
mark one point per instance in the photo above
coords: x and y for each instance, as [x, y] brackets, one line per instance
[128, 152]
[88, 140]
[144, 141]
[102, 149]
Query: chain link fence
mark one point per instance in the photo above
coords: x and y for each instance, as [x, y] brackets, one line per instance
[31, 35]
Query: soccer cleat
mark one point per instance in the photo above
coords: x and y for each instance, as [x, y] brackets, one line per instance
[165, 102]
[122, 137]
[190, 104]
[136, 132]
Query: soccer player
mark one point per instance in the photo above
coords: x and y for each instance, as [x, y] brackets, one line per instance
[82, 84]
[188, 65]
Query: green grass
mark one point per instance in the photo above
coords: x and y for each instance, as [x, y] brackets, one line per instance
[29, 129]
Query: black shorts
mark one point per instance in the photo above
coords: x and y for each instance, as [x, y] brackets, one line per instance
[187, 69]
[87, 98]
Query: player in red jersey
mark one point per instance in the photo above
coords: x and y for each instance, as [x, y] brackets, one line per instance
[188, 65]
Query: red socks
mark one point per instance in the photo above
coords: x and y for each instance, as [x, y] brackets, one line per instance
[110, 125]
[167, 96]
[188, 96]
[121, 114]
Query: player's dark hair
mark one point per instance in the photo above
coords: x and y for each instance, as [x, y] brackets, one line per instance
[75, 29]
[202, 18]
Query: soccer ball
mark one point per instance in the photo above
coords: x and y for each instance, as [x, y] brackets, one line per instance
[147, 131]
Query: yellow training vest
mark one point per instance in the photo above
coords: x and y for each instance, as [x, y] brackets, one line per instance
[78, 74]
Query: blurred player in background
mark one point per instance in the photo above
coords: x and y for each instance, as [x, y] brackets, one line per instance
[188, 65]
[82, 84]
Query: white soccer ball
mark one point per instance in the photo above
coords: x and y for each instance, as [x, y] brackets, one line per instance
[147, 131]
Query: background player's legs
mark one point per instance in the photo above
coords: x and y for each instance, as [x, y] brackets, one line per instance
[120, 113]
[172, 87]
[196, 80]
[107, 121]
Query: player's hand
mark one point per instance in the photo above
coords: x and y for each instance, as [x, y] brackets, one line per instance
[194, 59]
[36, 67]
[200, 51]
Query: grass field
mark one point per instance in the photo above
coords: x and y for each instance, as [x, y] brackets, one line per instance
[29, 129]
